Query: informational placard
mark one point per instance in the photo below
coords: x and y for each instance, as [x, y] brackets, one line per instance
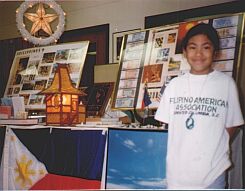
[151, 58]
[33, 70]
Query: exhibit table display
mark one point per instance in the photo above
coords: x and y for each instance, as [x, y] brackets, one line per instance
[47, 157]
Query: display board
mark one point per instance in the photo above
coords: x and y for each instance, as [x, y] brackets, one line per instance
[153, 57]
[33, 70]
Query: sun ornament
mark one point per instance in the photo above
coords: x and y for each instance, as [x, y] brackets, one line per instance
[40, 20]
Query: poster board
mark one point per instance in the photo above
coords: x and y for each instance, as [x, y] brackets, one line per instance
[33, 70]
[136, 159]
[154, 57]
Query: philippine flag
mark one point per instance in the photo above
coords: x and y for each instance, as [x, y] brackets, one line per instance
[63, 159]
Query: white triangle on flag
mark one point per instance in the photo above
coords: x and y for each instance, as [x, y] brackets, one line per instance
[19, 165]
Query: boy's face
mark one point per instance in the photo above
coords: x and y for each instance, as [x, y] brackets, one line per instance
[199, 53]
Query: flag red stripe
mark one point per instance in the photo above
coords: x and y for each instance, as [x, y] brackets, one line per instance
[56, 182]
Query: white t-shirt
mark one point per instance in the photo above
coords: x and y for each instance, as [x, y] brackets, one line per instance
[198, 155]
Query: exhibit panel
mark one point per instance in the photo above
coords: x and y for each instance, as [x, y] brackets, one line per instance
[33, 70]
[151, 58]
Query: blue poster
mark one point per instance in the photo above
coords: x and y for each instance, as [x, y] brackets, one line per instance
[136, 159]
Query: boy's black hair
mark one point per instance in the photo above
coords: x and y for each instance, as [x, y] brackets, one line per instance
[205, 29]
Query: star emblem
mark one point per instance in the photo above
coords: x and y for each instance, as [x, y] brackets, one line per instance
[41, 20]
[24, 171]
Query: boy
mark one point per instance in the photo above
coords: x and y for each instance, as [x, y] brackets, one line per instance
[202, 110]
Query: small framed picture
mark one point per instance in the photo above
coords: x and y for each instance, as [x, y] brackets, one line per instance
[117, 39]
[98, 98]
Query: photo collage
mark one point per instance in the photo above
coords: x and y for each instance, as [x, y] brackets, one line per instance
[156, 58]
[33, 70]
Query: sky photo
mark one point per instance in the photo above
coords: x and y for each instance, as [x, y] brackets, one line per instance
[136, 159]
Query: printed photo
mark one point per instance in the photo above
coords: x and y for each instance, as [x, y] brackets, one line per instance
[133, 55]
[130, 83]
[124, 103]
[22, 65]
[132, 64]
[225, 54]
[227, 32]
[76, 54]
[44, 71]
[48, 57]
[123, 93]
[30, 70]
[224, 66]
[35, 99]
[137, 46]
[40, 84]
[228, 43]
[28, 86]
[62, 55]
[134, 37]
[174, 65]
[158, 42]
[225, 22]
[129, 74]
[171, 38]
[162, 55]
[33, 63]
[152, 73]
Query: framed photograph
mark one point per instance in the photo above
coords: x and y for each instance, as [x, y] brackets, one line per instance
[98, 97]
[117, 39]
